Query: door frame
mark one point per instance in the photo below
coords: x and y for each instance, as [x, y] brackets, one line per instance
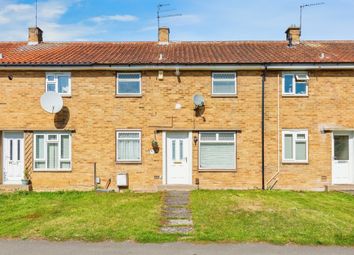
[164, 156]
[3, 154]
[351, 155]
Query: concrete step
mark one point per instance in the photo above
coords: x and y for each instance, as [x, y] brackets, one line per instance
[179, 222]
[340, 187]
[14, 187]
[176, 230]
[179, 187]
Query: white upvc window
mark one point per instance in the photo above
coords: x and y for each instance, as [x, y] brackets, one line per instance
[224, 84]
[295, 84]
[295, 146]
[217, 150]
[59, 83]
[128, 84]
[128, 146]
[52, 151]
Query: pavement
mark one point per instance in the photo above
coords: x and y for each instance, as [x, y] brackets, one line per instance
[29, 247]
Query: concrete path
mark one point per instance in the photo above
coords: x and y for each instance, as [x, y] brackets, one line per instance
[176, 214]
[130, 248]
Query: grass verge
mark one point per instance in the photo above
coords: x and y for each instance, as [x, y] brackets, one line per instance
[85, 216]
[274, 216]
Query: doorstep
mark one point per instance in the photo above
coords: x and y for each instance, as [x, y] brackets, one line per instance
[340, 187]
[176, 187]
[14, 187]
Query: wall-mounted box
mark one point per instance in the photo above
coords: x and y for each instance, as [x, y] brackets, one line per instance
[122, 180]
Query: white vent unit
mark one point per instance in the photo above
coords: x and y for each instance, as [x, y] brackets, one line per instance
[160, 75]
[122, 180]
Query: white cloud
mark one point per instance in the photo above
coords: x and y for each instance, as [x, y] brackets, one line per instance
[16, 17]
[122, 18]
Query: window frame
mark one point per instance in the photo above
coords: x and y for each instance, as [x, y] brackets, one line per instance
[294, 75]
[56, 74]
[218, 169]
[129, 161]
[44, 159]
[129, 94]
[223, 94]
[294, 133]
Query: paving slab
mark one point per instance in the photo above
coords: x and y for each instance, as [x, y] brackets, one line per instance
[180, 222]
[177, 230]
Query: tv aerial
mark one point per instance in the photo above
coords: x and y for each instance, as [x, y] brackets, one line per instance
[161, 8]
[307, 5]
[51, 102]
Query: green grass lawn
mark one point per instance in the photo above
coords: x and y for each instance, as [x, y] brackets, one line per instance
[82, 216]
[241, 216]
[274, 216]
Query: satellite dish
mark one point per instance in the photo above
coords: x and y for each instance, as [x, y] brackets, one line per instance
[51, 102]
[198, 100]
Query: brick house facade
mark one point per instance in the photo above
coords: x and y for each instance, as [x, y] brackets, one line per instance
[308, 114]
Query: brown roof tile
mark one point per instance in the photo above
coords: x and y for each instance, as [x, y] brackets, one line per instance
[136, 53]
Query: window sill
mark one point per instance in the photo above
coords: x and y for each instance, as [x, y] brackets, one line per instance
[66, 96]
[128, 162]
[129, 96]
[217, 170]
[52, 170]
[284, 95]
[295, 162]
[224, 96]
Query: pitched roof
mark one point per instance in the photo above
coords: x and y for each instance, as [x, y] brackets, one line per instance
[146, 53]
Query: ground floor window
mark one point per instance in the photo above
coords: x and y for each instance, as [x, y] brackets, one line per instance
[295, 146]
[52, 151]
[128, 146]
[217, 150]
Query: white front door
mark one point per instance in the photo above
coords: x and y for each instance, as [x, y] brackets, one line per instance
[342, 168]
[13, 157]
[178, 153]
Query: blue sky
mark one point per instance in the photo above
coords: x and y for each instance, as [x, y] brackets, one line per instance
[135, 20]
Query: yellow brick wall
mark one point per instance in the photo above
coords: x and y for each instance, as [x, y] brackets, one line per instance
[95, 113]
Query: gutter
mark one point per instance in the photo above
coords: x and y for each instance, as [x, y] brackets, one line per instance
[173, 67]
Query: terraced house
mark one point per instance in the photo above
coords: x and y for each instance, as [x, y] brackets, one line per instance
[218, 115]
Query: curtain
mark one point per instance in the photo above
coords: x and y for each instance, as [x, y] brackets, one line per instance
[217, 155]
[288, 144]
[64, 147]
[128, 149]
[52, 155]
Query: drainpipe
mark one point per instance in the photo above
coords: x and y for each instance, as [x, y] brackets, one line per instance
[264, 73]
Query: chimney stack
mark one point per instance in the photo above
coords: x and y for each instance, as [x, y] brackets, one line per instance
[35, 36]
[293, 34]
[164, 35]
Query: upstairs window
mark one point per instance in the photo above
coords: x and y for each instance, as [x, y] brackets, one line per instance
[295, 146]
[129, 84]
[295, 84]
[59, 83]
[224, 84]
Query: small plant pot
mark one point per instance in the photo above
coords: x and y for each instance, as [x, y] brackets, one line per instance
[156, 149]
[155, 146]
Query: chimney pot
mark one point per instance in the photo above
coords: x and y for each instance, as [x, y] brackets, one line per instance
[293, 35]
[164, 35]
[35, 36]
